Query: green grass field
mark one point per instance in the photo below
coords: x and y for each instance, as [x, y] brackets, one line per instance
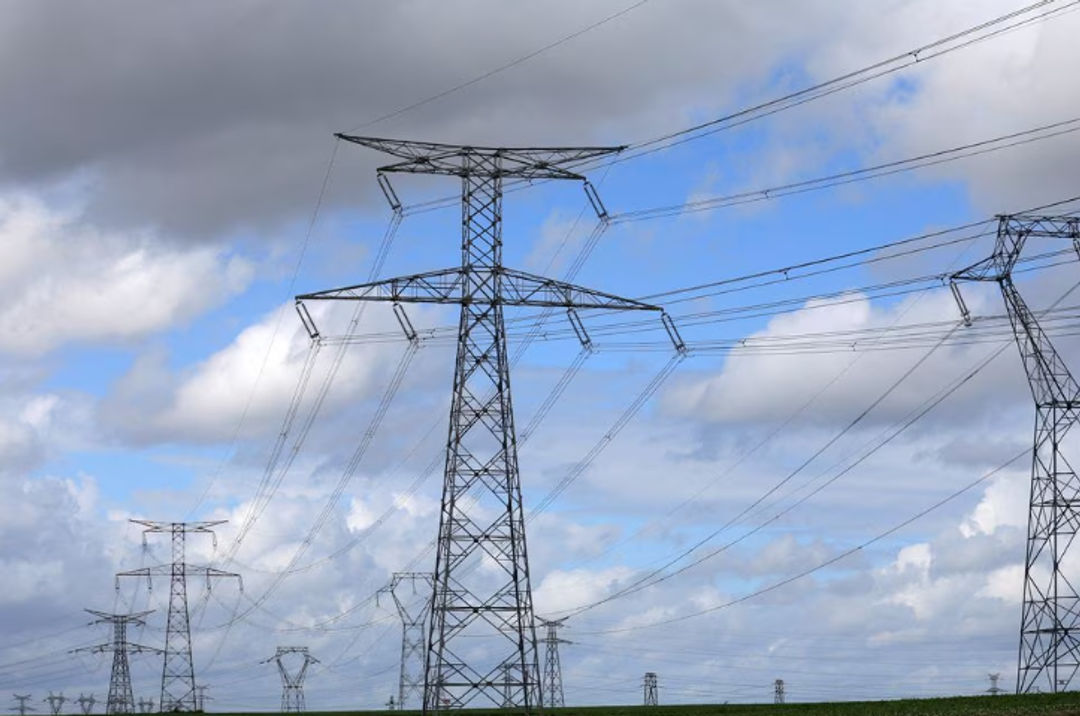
[1067, 704]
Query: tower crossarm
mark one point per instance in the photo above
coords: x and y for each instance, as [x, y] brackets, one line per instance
[481, 286]
[190, 570]
[454, 159]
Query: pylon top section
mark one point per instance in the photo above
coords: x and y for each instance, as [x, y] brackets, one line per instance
[460, 159]
[155, 526]
[133, 618]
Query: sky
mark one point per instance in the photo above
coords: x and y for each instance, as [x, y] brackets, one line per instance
[169, 181]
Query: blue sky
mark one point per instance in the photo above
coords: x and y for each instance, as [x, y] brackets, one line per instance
[149, 348]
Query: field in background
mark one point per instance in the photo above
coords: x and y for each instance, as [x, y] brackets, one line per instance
[1067, 704]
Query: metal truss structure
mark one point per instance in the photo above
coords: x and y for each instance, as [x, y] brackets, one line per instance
[553, 689]
[1050, 617]
[120, 699]
[86, 703]
[650, 689]
[292, 682]
[414, 617]
[56, 702]
[481, 519]
[178, 691]
[21, 706]
[778, 692]
[146, 706]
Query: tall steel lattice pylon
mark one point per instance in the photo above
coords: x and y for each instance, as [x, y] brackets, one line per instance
[120, 699]
[1050, 616]
[178, 669]
[481, 517]
[553, 688]
[414, 617]
[650, 689]
[21, 706]
[292, 682]
[779, 695]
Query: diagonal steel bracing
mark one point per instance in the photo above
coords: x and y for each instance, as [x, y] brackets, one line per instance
[481, 646]
[1050, 616]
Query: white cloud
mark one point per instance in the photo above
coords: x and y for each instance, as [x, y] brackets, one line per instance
[69, 283]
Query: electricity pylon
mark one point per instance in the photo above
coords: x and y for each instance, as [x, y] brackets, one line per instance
[650, 689]
[553, 688]
[22, 707]
[56, 702]
[201, 698]
[1050, 616]
[414, 614]
[146, 706]
[778, 691]
[994, 689]
[292, 683]
[481, 520]
[120, 699]
[86, 703]
[178, 670]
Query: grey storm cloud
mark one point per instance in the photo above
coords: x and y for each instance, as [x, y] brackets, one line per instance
[200, 118]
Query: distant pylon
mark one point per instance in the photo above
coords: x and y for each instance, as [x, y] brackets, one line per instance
[201, 698]
[56, 702]
[178, 670]
[994, 689]
[508, 687]
[778, 691]
[146, 706]
[120, 699]
[86, 703]
[650, 689]
[22, 708]
[552, 691]
[482, 613]
[391, 704]
[292, 683]
[413, 613]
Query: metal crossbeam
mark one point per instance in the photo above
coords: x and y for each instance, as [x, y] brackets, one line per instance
[507, 287]
[460, 160]
[1049, 655]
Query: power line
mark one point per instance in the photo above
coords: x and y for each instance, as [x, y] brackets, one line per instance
[501, 68]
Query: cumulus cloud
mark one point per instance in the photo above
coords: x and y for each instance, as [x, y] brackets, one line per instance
[68, 283]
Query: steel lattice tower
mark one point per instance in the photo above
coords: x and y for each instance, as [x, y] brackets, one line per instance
[414, 617]
[292, 683]
[146, 705]
[86, 703]
[120, 699]
[22, 708]
[56, 702]
[178, 670]
[778, 691]
[1050, 616]
[650, 689]
[553, 689]
[481, 519]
